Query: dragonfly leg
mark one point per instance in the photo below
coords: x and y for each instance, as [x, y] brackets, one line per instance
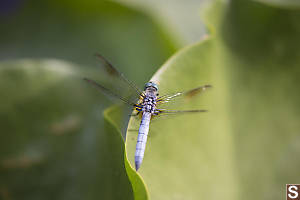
[135, 114]
[157, 111]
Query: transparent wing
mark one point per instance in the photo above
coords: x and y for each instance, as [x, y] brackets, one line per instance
[181, 102]
[172, 112]
[114, 84]
[109, 92]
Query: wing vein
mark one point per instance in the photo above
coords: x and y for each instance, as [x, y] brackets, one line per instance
[107, 91]
[114, 70]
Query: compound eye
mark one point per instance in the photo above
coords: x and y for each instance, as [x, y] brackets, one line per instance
[157, 94]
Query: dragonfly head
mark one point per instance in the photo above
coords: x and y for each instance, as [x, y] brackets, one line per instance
[151, 86]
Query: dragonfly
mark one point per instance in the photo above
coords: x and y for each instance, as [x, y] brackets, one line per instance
[146, 103]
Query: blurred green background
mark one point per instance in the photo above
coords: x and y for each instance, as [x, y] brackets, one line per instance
[55, 142]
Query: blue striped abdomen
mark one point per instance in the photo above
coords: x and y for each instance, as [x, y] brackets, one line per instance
[142, 139]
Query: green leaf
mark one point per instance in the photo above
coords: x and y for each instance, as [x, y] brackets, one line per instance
[76, 30]
[290, 4]
[89, 166]
[53, 142]
[112, 116]
[247, 145]
[185, 155]
[178, 17]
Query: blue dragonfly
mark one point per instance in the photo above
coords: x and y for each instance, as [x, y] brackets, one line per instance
[146, 103]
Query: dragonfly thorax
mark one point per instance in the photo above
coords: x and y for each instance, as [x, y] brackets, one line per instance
[149, 103]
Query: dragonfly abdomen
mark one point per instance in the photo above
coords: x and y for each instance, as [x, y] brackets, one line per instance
[142, 139]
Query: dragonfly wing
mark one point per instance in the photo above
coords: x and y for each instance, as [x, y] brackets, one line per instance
[161, 112]
[114, 72]
[182, 100]
[181, 111]
[113, 83]
[108, 92]
[171, 114]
